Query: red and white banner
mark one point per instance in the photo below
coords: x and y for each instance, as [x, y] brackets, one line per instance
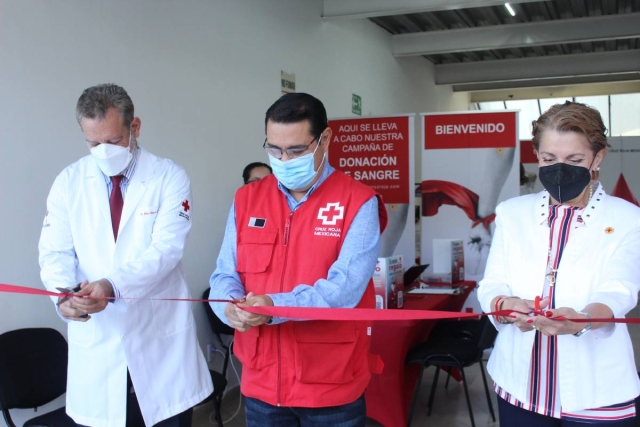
[527, 155]
[619, 170]
[468, 161]
[469, 130]
[378, 151]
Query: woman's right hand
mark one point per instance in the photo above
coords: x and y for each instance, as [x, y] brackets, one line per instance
[521, 306]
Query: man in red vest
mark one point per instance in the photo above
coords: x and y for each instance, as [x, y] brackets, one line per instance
[306, 236]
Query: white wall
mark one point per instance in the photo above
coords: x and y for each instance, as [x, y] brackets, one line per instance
[201, 74]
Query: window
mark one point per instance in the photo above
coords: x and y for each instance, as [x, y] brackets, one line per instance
[600, 103]
[528, 113]
[625, 120]
[491, 106]
[619, 112]
[545, 104]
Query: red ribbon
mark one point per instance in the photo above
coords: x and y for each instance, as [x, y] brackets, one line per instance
[15, 289]
[317, 313]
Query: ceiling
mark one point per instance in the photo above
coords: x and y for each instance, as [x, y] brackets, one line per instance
[476, 45]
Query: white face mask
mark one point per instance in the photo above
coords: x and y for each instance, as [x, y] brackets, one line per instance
[112, 159]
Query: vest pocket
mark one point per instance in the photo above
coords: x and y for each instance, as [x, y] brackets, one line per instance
[255, 250]
[245, 348]
[324, 352]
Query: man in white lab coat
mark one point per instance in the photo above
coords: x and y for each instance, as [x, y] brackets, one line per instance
[117, 221]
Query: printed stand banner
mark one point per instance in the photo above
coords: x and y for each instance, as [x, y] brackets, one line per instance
[468, 161]
[619, 171]
[620, 168]
[529, 182]
[378, 151]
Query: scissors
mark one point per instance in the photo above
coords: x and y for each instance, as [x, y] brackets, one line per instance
[69, 291]
[238, 300]
[536, 304]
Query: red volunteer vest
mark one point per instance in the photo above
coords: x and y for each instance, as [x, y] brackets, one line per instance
[306, 363]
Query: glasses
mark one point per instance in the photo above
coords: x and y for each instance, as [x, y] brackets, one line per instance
[292, 152]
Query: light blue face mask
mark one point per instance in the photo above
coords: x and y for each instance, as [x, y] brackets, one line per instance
[295, 174]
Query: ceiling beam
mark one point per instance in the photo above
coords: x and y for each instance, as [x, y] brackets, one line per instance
[552, 82]
[608, 27]
[570, 90]
[355, 9]
[584, 64]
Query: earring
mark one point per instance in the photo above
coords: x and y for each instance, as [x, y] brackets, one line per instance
[598, 169]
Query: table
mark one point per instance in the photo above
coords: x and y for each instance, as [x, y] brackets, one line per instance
[388, 395]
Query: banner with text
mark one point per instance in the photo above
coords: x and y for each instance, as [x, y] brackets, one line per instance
[469, 130]
[620, 169]
[378, 151]
[470, 163]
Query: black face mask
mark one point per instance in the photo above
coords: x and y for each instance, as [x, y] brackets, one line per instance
[564, 182]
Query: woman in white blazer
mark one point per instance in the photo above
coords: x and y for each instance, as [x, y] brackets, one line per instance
[570, 251]
[135, 258]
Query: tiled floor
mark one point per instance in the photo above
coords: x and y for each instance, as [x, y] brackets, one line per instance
[450, 408]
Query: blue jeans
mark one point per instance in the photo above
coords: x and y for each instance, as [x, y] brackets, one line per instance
[261, 414]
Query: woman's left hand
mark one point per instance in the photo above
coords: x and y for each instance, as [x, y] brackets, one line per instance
[550, 327]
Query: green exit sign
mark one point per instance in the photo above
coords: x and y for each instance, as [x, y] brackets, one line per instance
[356, 104]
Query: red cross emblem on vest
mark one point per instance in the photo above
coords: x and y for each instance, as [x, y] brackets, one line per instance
[185, 206]
[331, 213]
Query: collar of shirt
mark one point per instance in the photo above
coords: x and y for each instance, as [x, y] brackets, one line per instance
[590, 212]
[128, 172]
[293, 204]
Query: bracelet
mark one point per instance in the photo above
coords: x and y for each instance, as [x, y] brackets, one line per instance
[502, 320]
[586, 328]
[495, 309]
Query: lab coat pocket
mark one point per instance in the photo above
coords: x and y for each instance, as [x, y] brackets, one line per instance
[82, 334]
[255, 250]
[323, 344]
[245, 348]
[171, 317]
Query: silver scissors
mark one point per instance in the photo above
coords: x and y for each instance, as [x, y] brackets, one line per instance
[238, 300]
[69, 291]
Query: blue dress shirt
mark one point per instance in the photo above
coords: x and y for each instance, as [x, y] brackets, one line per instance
[346, 280]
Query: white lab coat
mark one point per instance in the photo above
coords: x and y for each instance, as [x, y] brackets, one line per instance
[601, 263]
[155, 340]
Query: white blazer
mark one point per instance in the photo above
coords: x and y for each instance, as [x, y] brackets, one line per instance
[601, 263]
[155, 340]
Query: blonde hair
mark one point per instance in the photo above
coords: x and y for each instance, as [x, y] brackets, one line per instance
[572, 117]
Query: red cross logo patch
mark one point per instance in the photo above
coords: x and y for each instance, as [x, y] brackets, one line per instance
[184, 213]
[331, 213]
[45, 223]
